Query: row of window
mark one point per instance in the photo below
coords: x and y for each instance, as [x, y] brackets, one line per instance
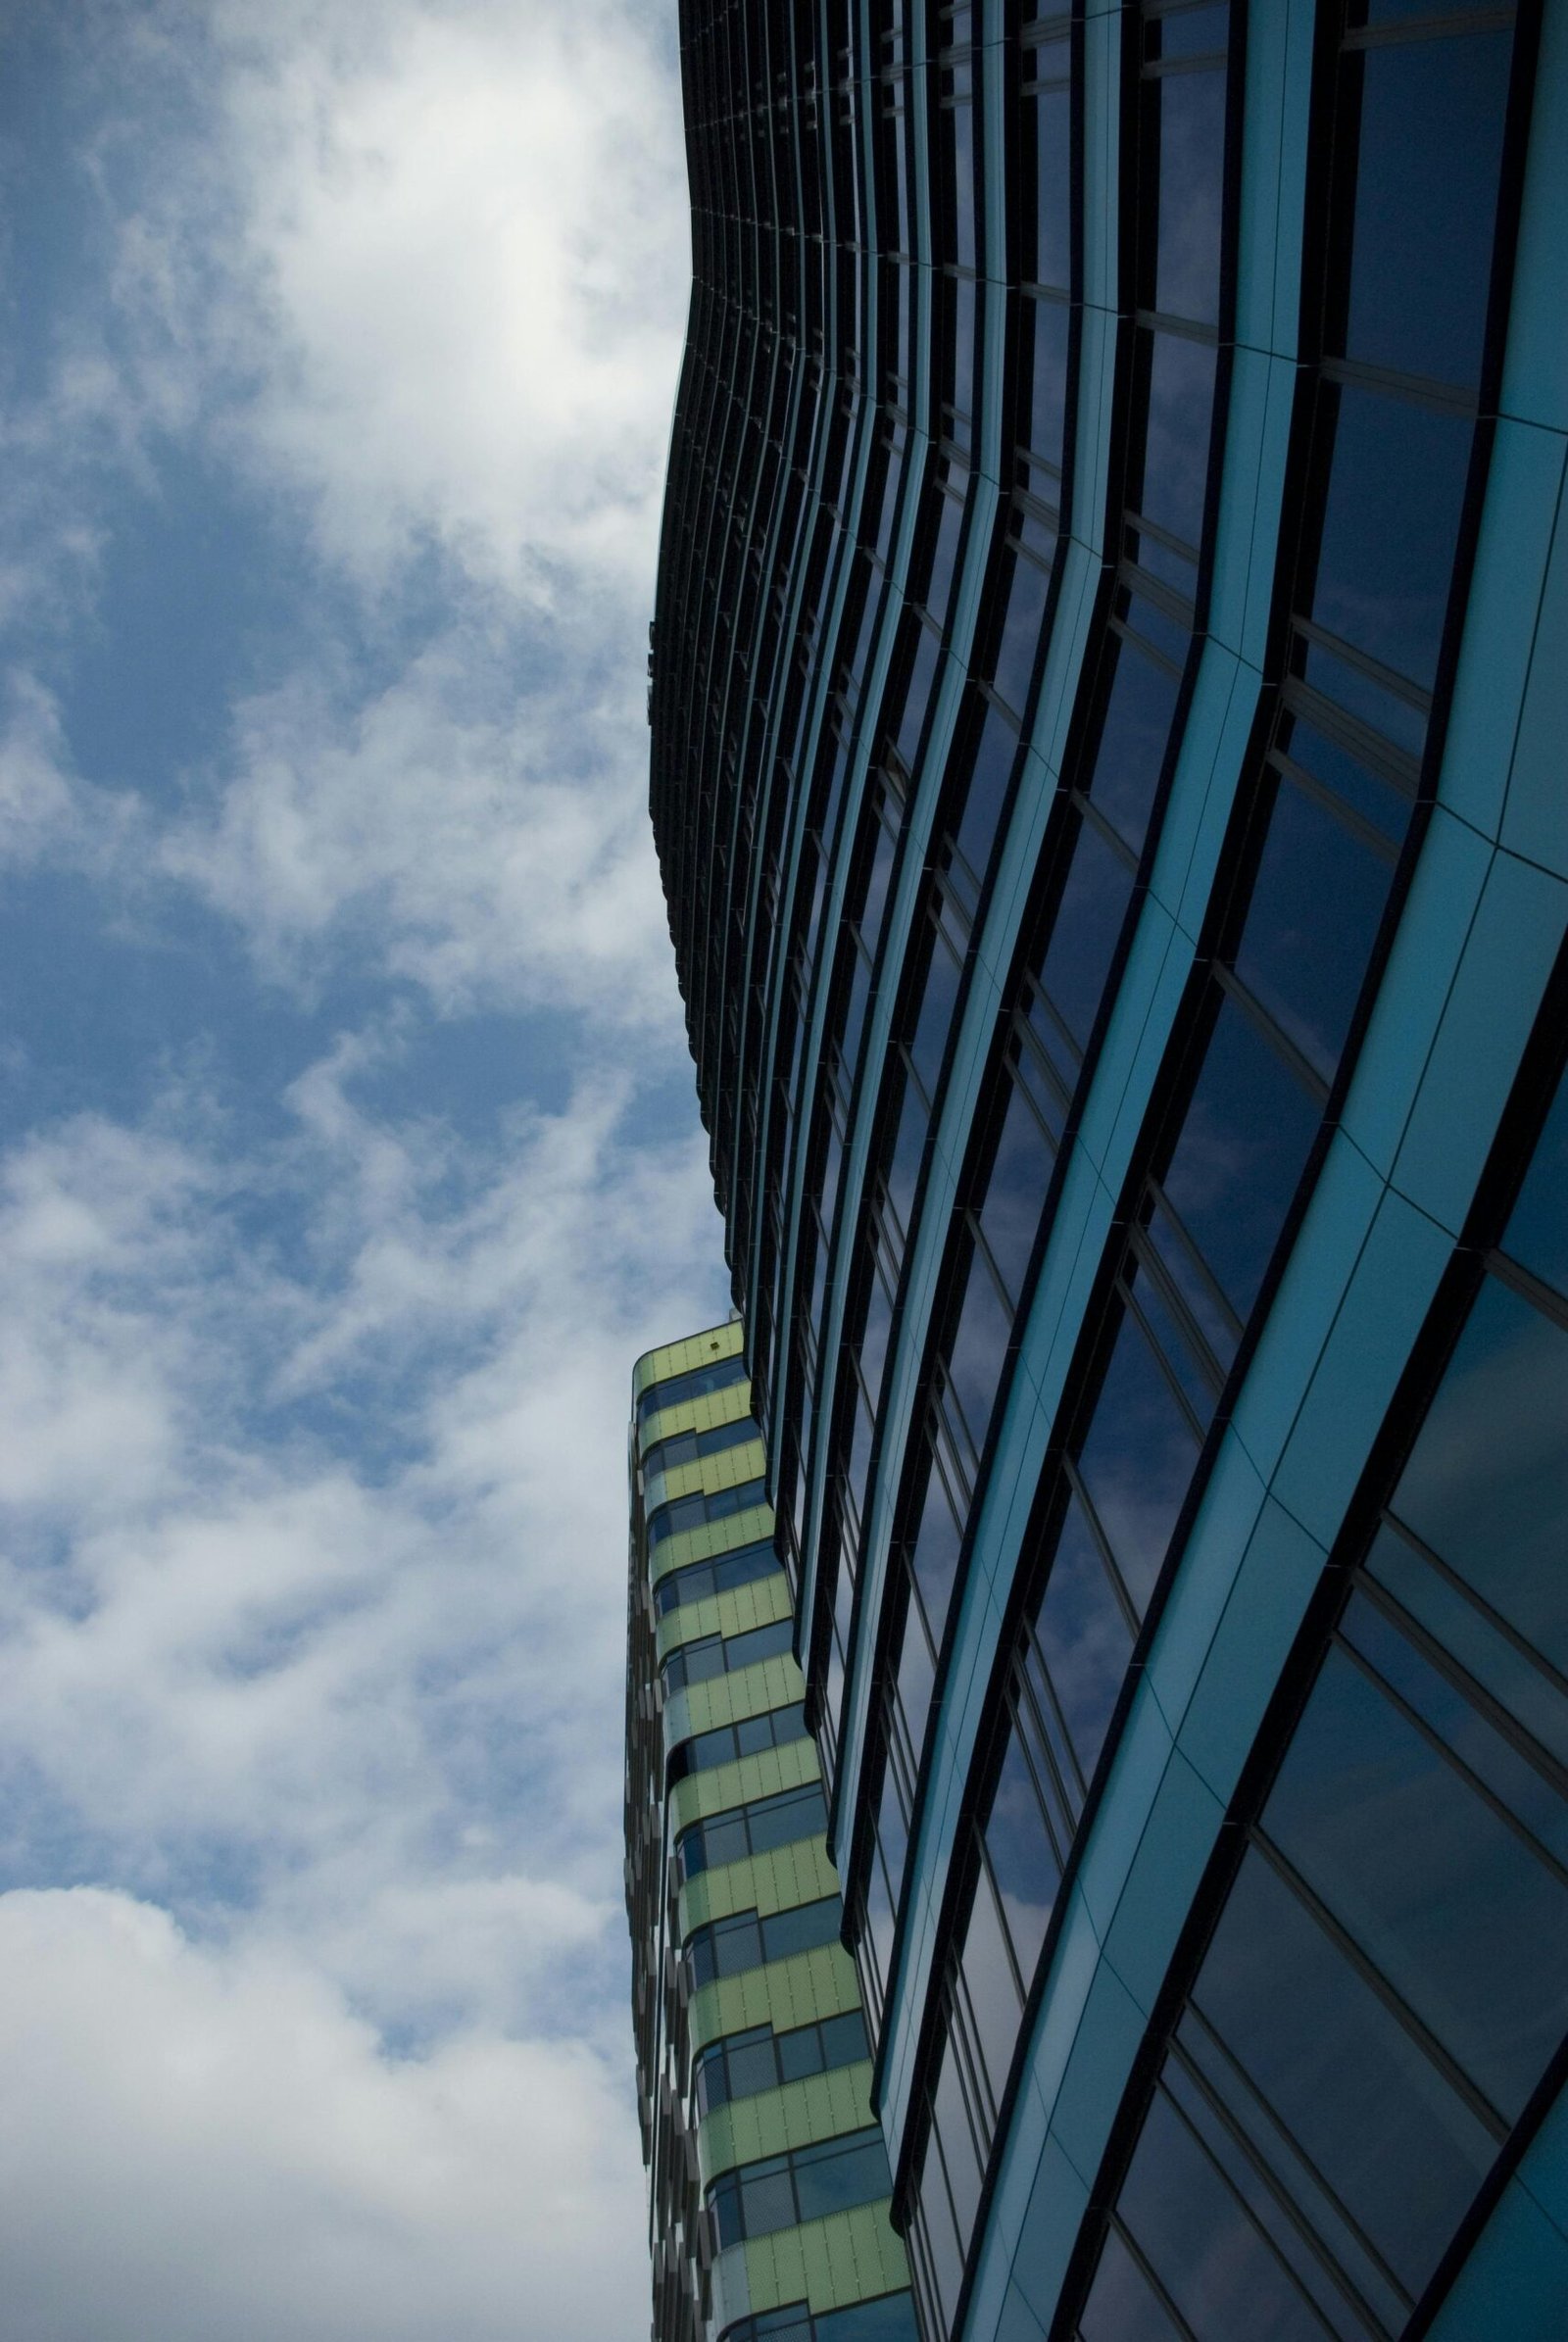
[726, 1742]
[701, 1508]
[889, 2318]
[729, 1947]
[690, 1447]
[740, 2065]
[700, 1581]
[754, 1829]
[808, 2184]
[725, 1654]
[698, 1381]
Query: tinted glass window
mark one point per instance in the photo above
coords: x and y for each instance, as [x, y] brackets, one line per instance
[1487, 1485]
[1191, 131]
[1400, 2150]
[1318, 898]
[1137, 1460]
[1432, 115]
[1084, 1636]
[1241, 1153]
[1181, 406]
[1538, 1231]
[1083, 938]
[1389, 527]
[1132, 744]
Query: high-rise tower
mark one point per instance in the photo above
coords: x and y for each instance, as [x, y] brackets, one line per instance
[769, 2179]
[1108, 721]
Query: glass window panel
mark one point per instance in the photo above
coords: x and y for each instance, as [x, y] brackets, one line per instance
[988, 1982]
[1377, 802]
[1316, 904]
[1084, 1637]
[836, 2182]
[1389, 527]
[1538, 1230]
[1017, 651]
[1240, 1156]
[1016, 1191]
[1083, 938]
[1201, 2244]
[934, 1557]
[979, 1351]
[1388, 2136]
[1052, 258]
[1487, 1484]
[844, 2041]
[1432, 115]
[1496, 1663]
[1047, 337]
[1122, 2305]
[768, 2201]
[1181, 410]
[1024, 1861]
[987, 791]
[952, 2134]
[1132, 743]
[751, 2067]
[1455, 1911]
[1137, 1461]
[936, 1014]
[1191, 116]
[800, 2053]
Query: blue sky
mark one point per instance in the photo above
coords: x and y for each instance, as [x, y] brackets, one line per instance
[348, 1153]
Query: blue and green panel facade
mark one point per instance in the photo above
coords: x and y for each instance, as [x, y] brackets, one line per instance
[768, 2181]
[1110, 770]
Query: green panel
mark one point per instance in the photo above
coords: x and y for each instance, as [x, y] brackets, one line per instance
[678, 1357]
[789, 1992]
[822, 2107]
[713, 1537]
[848, 2256]
[702, 1414]
[738, 1783]
[785, 1993]
[761, 1882]
[710, 1473]
[753, 1690]
[754, 1605]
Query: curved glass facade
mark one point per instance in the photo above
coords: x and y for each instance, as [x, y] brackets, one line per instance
[1106, 775]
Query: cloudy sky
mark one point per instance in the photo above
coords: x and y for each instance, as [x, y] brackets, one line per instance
[347, 1157]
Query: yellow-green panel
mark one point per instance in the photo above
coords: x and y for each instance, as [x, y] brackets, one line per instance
[821, 2106]
[763, 1882]
[679, 1358]
[711, 1539]
[801, 1990]
[760, 1775]
[756, 1605]
[784, 1993]
[848, 2257]
[709, 1474]
[702, 1414]
[774, 1682]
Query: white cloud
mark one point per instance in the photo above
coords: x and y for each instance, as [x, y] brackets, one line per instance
[200, 2144]
[486, 843]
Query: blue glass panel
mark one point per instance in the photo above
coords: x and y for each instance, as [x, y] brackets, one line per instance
[1538, 1230]
[1052, 160]
[1402, 2152]
[1487, 1484]
[1432, 115]
[1122, 2305]
[1132, 743]
[1024, 1861]
[1014, 664]
[1241, 1153]
[978, 1356]
[1199, 2243]
[1449, 1902]
[995, 757]
[1137, 1461]
[1181, 410]
[1046, 328]
[1391, 526]
[1016, 1191]
[1083, 937]
[1192, 168]
[1084, 1637]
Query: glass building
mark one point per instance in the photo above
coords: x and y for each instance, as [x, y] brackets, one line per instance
[768, 2181]
[1109, 719]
